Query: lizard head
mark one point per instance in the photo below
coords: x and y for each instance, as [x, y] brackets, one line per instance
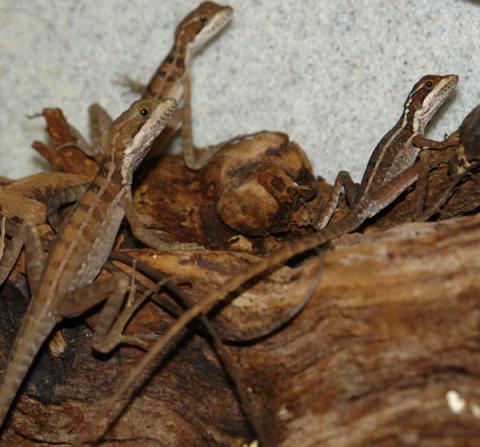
[202, 24]
[130, 136]
[426, 96]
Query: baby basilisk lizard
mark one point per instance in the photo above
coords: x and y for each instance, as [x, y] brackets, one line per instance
[390, 171]
[173, 77]
[62, 284]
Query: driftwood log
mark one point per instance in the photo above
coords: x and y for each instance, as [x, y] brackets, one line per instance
[386, 353]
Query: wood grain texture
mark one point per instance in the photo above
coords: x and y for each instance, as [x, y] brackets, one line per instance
[392, 329]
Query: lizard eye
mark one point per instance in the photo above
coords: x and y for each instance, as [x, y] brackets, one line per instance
[144, 112]
[203, 20]
[429, 84]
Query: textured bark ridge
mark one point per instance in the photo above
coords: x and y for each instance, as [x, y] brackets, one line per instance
[386, 353]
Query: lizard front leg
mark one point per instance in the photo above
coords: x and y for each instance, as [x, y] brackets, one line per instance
[427, 144]
[343, 182]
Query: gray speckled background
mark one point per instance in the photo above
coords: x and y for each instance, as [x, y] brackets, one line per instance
[333, 74]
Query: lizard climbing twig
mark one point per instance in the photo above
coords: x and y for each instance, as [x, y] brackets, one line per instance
[172, 79]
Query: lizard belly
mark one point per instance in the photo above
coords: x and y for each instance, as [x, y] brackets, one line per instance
[402, 161]
[89, 257]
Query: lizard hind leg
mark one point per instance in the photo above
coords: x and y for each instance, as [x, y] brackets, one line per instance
[84, 298]
[186, 133]
[111, 321]
[106, 341]
[99, 122]
[447, 193]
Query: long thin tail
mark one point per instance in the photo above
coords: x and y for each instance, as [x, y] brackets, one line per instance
[349, 223]
[32, 334]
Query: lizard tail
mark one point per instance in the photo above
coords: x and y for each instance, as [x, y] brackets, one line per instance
[27, 344]
[109, 411]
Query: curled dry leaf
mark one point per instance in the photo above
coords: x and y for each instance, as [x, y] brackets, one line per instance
[69, 159]
[255, 185]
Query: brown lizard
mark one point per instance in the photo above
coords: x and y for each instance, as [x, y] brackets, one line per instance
[172, 79]
[62, 284]
[390, 171]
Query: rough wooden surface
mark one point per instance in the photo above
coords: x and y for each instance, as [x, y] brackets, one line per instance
[391, 332]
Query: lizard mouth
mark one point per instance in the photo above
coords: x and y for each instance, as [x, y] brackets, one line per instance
[166, 113]
[451, 82]
[439, 95]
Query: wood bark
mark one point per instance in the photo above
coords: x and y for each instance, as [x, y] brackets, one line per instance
[386, 353]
